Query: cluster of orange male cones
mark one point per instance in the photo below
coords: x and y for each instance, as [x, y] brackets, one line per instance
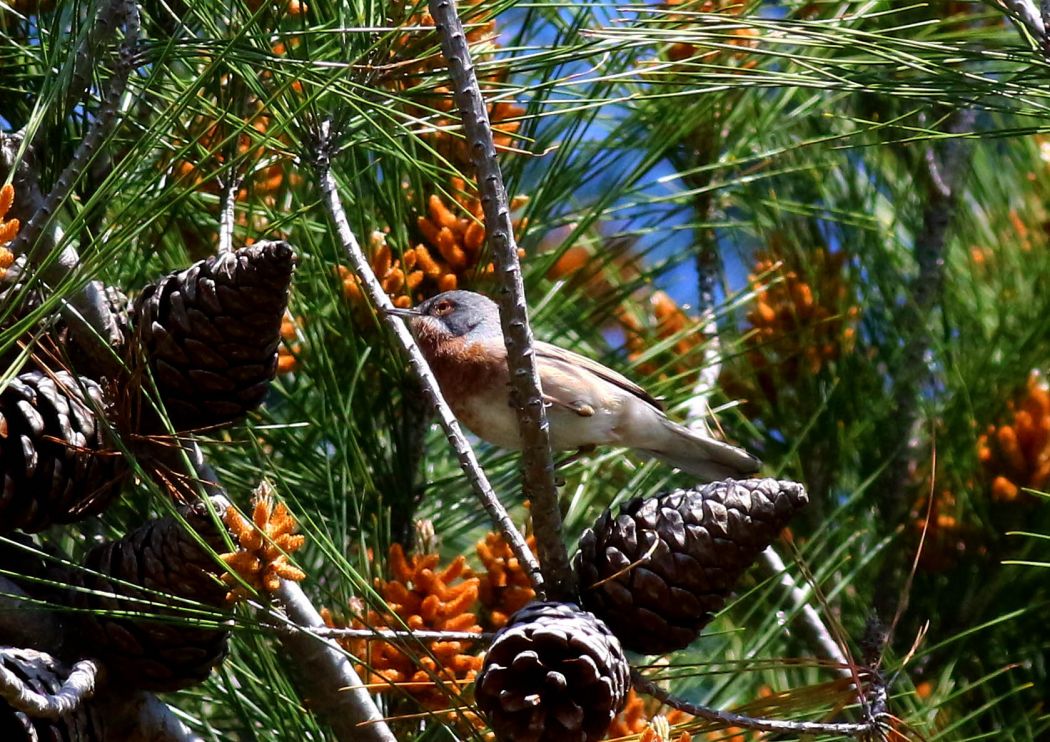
[800, 321]
[268, 169]
[8, 228]
[415, 57]
[263, 547]
[449, 255]
[423, 595]
[1014, 455]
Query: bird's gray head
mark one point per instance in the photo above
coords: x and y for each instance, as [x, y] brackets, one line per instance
[458, 314]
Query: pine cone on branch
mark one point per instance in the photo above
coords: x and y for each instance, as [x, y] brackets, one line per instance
[553, 672]
[659, 571]
[211, 332]
[144, 597]
[57, 465]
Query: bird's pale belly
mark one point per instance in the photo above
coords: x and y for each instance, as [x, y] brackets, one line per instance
[491, 418]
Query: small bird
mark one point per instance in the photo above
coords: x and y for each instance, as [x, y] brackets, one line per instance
[588, 404]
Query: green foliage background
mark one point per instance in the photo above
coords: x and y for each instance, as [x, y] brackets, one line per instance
[815, 134]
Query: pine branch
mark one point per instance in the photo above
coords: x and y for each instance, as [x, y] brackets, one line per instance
[728, 718]
[816, 632]
[703, 145]
[324, 671]
[86, 60]
[467, 459]
[229, 210]
[408, 635]
[87, 311]
[699, 404]
[527, 397]
[20, 161]
[331, 683]
[1031, 17]
[78, 686]
[103, 121]
[945, 174]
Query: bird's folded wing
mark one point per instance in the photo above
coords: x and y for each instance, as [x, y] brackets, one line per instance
[566, 363]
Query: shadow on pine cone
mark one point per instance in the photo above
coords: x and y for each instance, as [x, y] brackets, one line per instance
[553, 672]
[57, 466]
[211, 332]
[659, 571]
[159, 570]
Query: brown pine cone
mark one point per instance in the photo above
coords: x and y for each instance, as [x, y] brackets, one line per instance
[57, 466]
[210, 333]
[660, 570]
[553, 672]
[159, 570]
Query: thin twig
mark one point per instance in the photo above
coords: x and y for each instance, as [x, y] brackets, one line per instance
[229, 208]
[467, 459]
[326, 674]
[538, 464]
[78, 686]
[728, 718]
[945, 175]
[101, 124]
[87, 311]
[699, 405]
[408, 635]
[1030, 17]
[817, 634]
[334, 688]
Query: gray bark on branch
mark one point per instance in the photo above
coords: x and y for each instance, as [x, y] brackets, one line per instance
[332, 685]
[728, 718]
[78, 686]
[946, 169]
[325, 675]
[467, 459]
[527, 396]
[87, 311]
[140, 717]
[405, 635]
[1030, 16]
[812, 627]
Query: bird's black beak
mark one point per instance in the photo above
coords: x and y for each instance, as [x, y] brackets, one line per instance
[398, 312]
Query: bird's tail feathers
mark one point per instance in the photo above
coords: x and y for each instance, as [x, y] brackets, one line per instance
[702, 456]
